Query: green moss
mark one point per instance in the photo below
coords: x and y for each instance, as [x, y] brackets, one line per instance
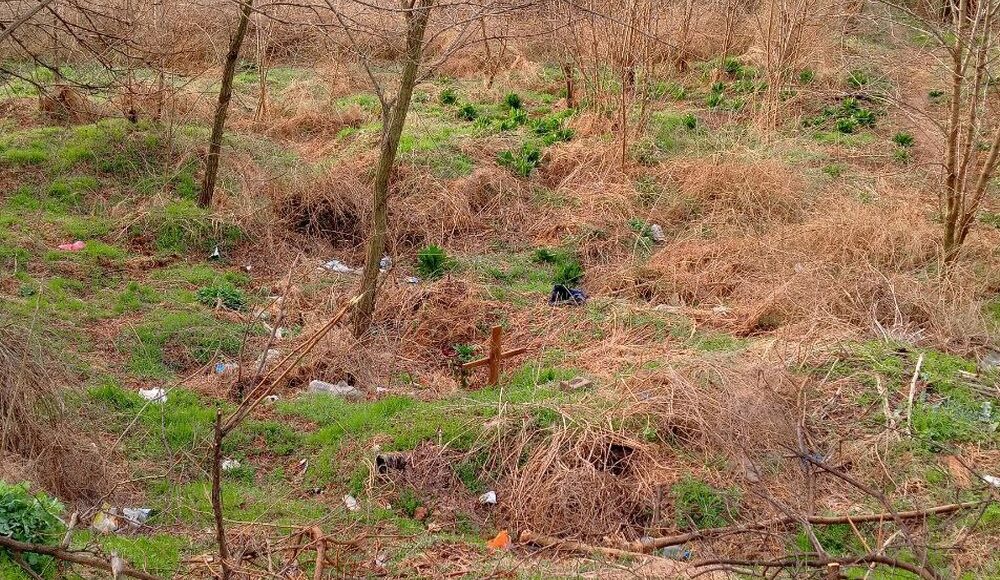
[699, 505]
[29, 156]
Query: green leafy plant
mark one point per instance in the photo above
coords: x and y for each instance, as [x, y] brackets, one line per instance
[433, 261]
[227, 295]
[859, 78]
[468, 112]
[32, 518]
[903, 139]
[448, 96]
[521, 161]
[513, 101]
[714, 99]
[568, 272]
[690, 121]
[807, 76]
[847, 125]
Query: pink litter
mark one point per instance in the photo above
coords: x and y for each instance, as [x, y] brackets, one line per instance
[73, 247]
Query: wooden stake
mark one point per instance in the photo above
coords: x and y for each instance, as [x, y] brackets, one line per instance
[497, 355]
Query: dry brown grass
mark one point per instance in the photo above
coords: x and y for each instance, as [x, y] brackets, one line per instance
[35, 429]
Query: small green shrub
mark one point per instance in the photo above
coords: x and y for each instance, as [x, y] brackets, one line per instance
[521, 161]
[847, 125]
[468, 112]
[227, 295]
[408, 502]
[807, 76]
[433, 261]
[834, 170]
[546, 256]
[903, 139]
[859, 78]
[714, 99]
[568, 272]
[699, 505]
[448, 96]
[690, 121]
[32, 518]
[732, 66]
[901, 155]
[513, 101]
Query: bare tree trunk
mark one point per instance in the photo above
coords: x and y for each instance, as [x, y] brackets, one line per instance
[222, 109]
[953, 188]
[392, 123]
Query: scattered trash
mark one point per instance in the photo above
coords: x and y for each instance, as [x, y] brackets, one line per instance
[386, 461]
[341, 389]
[279, 332]
[385, 264]
[575, 384]
[489, 497]
[986, 412]
[412, 280]
[155, 395]
[216, 254]
[382, 558]
[338, 267]
[271, 398]
[73, 246]
[106, 520]
[500, 542]
[720, 310]
[137, 516]
[222, 368]
[563, 295]
[267, 357]
[230, 464]
[675, 553]
[992, 480]
[420, 514]
[656, 232]
[351, 503]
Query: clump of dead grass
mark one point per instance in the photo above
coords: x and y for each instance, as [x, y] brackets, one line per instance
[333, 205]
[35, 430]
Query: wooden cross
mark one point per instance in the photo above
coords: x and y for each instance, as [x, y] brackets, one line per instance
[496, 356]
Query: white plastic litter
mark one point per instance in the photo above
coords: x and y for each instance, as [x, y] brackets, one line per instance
[992, 480]
[216, 254]
[385, 264]
[657, 233]
[230, 464]
[268, 357]
[222, 368]
[137, 516]
[341, 389]
[412, 280]
[351, 503]
[271, 398]
[338, 267]
[489, 498]
[155, 395]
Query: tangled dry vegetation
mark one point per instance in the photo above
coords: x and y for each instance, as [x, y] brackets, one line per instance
[749, 372]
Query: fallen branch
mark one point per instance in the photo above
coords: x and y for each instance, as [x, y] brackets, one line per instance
[665, 541]
[73, 557]
[644, 547]
[824, 563]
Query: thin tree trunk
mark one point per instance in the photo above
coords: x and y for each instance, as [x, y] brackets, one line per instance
[220, 527]
[222, 109]
[391, 133]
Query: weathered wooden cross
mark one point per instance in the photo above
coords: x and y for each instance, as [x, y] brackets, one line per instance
[496, 356]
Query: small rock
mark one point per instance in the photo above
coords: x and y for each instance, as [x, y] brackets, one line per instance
[657, 233]
[488, 498]
[230, 464]
[575, 384]
[155, 395]
[351, 504]
[420, 514]
[341, 389]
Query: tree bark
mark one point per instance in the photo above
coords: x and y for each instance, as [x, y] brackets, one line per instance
[392, 130]
[220, 526]
[222, 108]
